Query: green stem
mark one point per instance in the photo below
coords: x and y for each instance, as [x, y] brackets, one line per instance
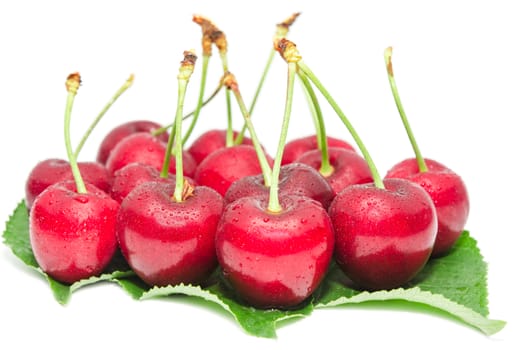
[264, 165]
[240, 136]
[79, 183]
[114, 98]
[205, 65]
[177, 130]
[274, 204]
[229, 130]
[313, 112]
[326, 168]
[163, 129]
[390, 73]
[378, 182]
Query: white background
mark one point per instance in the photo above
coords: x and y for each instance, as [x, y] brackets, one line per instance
[461, 68]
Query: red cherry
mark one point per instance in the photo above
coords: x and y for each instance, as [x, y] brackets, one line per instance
[297, 147]
[168, 242]
[294, 178]
[449, 195]
[73, 235]
[51, 171]
[274, 259]
[349, 167]
[226, 165]
[121, 131]
[144, 148]
[384, 236]
[211, 141]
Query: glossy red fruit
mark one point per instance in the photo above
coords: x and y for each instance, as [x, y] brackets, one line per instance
[73, 235]
[167, 242]
[144, 148]
[294, 179]
[297, 147]
[349, 167]
[449, 195]
[211, 141]
[226, 165]
[274, 260]
[121, 131]
[384, 237]
[51, 171]
[131, 175]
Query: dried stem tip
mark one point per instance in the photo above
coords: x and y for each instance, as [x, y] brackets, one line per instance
[288, 50]
[188, 190]
[187, 65]
[388, 60]
[230, 81]
[284, 27]
[129, 81]
[211, 35]
[73, 82]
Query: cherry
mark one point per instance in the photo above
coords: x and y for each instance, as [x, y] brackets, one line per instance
[449, 195]
[294, 178]
[51, 171]
[123, 130]
[446, 188]
[132, 175]
[384, 236]
[224, 166]
[385, 230]
[348, 167]
[166, 232]
[274, 251]
[211, 141]
[143, 147]
[72, 225]
[297, 147]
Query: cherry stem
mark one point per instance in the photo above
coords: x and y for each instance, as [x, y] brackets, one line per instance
[274, 204]
[390, 73]
[229, 129]
[163, 129]
[205, 65]
[378, 182]
[240, 136]
[175, 137]
[232, 84]
[114, 98]
[72, 85]
[281, 31]
[326, 169]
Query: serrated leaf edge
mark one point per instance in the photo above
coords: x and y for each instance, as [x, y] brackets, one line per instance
[417, 295]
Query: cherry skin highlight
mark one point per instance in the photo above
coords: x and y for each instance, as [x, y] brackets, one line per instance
[168, 242]
[211, 141]
[297, 147]
[73, 235]
[51, 171]
[121, 131]
[226, 165]
[274, 260]
[144, 148]
[449, 195]
[294, 178]
[384, 237]
[349, 167]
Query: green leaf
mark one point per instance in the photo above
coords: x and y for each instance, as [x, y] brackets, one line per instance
[261, 323]
[16, 236]
[455, 283]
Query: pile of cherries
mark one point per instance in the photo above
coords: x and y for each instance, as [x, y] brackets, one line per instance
[273, 225]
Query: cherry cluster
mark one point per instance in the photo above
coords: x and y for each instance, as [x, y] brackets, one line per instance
[273, 225]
